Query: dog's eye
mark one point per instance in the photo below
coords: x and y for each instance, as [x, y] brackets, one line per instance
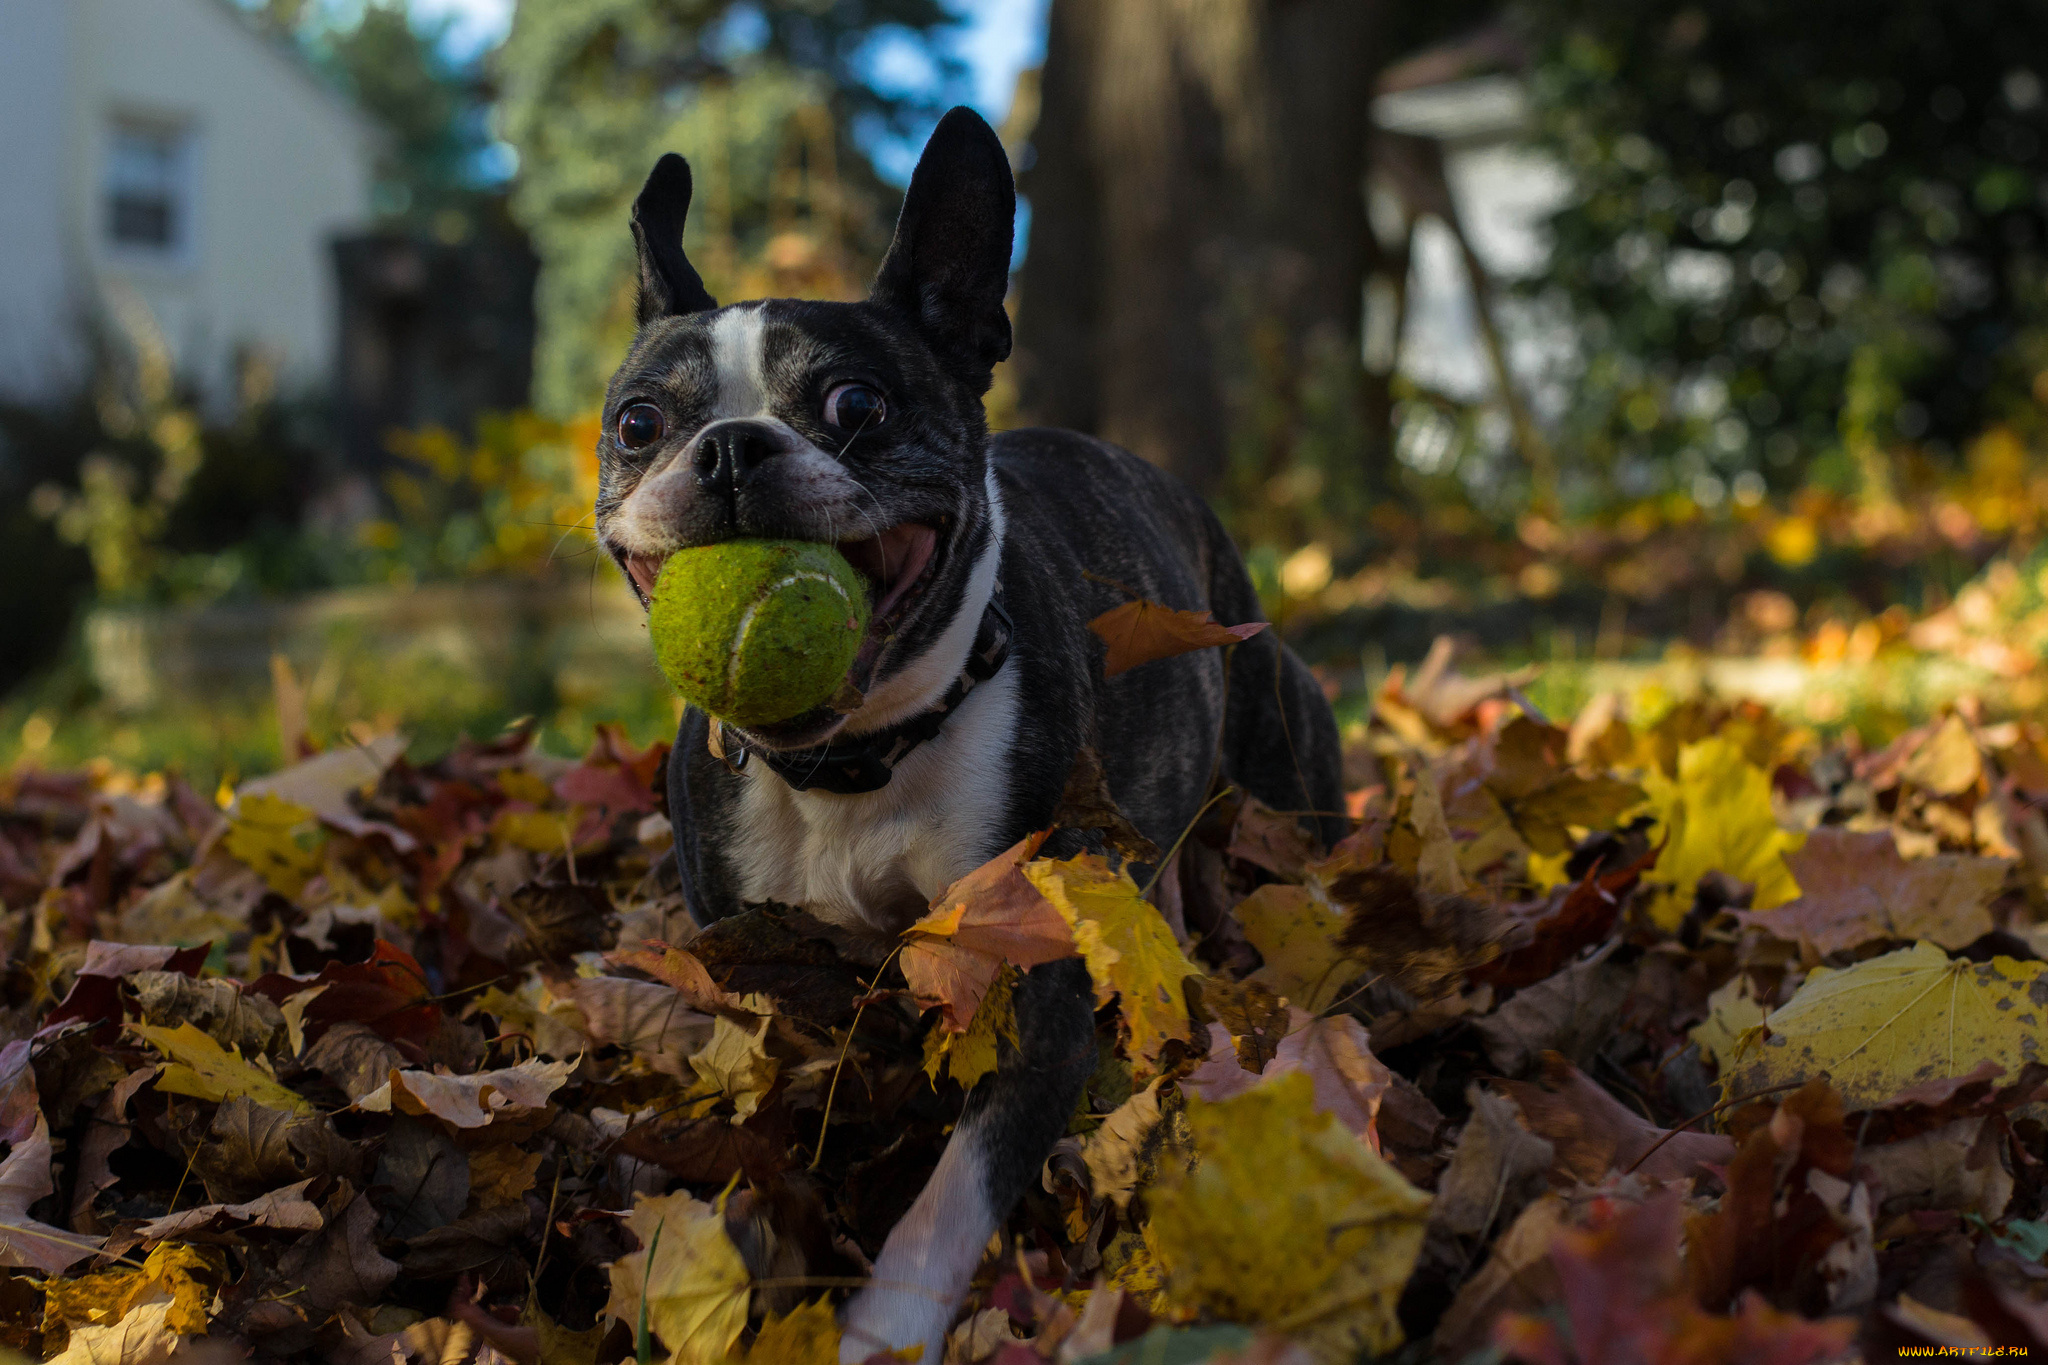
[854, 407]
[640, 426]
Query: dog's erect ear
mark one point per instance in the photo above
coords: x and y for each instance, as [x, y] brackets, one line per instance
[669, 284]
[949, 265]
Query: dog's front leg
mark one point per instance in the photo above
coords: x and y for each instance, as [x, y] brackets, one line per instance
[1010, 1124]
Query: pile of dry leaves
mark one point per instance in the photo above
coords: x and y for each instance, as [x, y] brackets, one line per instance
[1612, 1043]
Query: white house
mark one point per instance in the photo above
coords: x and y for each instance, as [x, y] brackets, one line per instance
[164, 163]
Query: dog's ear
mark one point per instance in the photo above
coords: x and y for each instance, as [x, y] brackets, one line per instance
[669, 284]
[949, 265]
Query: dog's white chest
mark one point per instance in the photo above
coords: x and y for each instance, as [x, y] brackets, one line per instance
[873, 862]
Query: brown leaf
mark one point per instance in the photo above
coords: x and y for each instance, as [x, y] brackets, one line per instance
[340, 1264]
[1335, 1052]
[680, 968]
[1266, 838]
[711, 1150]
[561, 919]
[1086, 803]
[1422, 942]
[355, 1057]
[1498, 1167]
[249, 1149]
[1140, 632]
[1572, 1012]
[1855, 888]
[1557, 929]
[1595, 1133]
[644, 1017]
[25, 1178]
[470, 1101]
[1770, 1230]
[286, 1209]
[990, 917]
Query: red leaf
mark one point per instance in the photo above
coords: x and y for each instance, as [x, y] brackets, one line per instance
[989, 917]
[1141, 632]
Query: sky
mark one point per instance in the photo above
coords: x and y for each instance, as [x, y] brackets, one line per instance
[996, 40]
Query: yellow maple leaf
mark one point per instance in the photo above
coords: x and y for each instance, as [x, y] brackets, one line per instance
[807, 1335]
[1716, 817]
[1893, 1021]
[186, 1275]
[1295, 929]
[280, 839]
[736, 1064]
[969, 1056]
[696, 1291]
[203, 1069]
[1288, 1221]
[1131, 954]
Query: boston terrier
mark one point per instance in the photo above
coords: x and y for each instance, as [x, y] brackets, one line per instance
[978, 683]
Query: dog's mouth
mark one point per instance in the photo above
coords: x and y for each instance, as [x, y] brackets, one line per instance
[899, 566]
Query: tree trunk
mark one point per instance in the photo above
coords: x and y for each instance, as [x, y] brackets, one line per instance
[1199, 241]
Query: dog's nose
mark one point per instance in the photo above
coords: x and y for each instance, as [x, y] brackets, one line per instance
[729, 451]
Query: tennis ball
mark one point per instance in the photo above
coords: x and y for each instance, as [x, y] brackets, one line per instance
[757, 631]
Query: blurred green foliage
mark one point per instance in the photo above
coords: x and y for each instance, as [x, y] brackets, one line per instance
[1800, 233]
[594, 91]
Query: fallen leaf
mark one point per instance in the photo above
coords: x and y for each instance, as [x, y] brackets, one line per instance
[1594, 1133]
[1437, 871]
[469, 1101]
[1893, 1021]
[992, 916]
[1296, 930]
[1131, 954]
[183, 1278]
[286, 1209]
[1128, 1148]
[1572, 1012]
[736, 1064]
[1087, 803]
[644, 1017]
[969, 1056]
[1423, 942]
[1732, 1010]
[697, 1287]
[202, 1068]
[1335, 1054]
[807, 1335]
[1498, 1168]
[1622, 1306]
[1139, 632]
[142, 1336]
[280, 840]
[355, 1057]
[1947, 762]
[1287, 1219]
[1854, 887]
[679, 968]
[1715, 816]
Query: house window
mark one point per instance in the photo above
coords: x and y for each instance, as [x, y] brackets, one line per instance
[148, 191]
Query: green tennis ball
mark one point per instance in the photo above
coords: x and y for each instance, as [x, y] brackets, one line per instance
[757, 631]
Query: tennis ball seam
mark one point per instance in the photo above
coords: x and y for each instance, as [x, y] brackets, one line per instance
[762, 598]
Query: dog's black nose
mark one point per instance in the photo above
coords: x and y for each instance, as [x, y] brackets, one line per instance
[728, 451]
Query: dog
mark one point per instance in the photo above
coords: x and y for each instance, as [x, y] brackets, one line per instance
[977, 684]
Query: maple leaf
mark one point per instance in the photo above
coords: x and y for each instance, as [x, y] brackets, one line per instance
[1622, 1304]
[203, 1069]
[1140, 632]
[992, 916]
[24, 1179]
[697, 1288]
[806, 1335]
[141, 1336]
[969, 1056]
[1592, 1132]
[1296, 930]
[1288, 1220]
[1854, 887]
[677, 967]
[1890, 1022]
[277, 838]
[1335, 1054]
[1715, 816]
[645, 1017]
[470, 1101]
[184, 1277]
[1425, 943]
[1131, 954]
[736, 1064]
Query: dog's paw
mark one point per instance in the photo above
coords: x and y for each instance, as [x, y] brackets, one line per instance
[889, 1320]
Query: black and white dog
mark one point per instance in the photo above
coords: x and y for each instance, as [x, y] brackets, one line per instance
[861, 424]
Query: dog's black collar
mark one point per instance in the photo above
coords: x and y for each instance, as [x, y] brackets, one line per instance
[863, 764]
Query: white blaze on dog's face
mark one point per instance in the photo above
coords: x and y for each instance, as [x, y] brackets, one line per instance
[858, 424]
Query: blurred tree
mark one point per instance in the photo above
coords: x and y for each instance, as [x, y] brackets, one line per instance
[1802, 234]
[1199, 239]
[762, 97]
[433, 171]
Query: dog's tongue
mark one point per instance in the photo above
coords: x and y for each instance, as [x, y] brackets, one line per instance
[892, 561]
